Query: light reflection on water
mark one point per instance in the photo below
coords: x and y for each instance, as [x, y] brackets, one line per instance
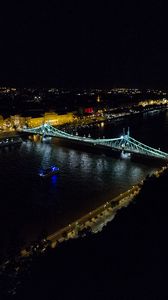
[54, 179]
[85, 181]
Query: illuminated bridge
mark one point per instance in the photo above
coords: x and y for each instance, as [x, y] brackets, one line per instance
[124, 144]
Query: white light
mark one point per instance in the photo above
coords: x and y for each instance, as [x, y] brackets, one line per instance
[121, 137]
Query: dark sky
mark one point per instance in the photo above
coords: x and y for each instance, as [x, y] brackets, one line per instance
[82, 44]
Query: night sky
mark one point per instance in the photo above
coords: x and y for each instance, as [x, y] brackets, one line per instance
[82, 44]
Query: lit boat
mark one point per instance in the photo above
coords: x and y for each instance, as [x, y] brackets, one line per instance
[48, 172]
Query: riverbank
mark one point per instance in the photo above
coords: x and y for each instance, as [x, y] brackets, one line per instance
[8, 134]
[86, 120]
[128, 260]
[16, 268]
[111, 117]
[96, 219]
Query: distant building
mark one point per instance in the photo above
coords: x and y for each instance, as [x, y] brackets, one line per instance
[88, 110]
[17, 121]
[98, 99]
[153, 102]
[51, 118]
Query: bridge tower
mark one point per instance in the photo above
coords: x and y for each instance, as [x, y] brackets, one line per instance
[128, 132]
[126, 135]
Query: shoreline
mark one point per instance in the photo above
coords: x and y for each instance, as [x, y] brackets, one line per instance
[17, 265]
[96, 219]
[81, 122]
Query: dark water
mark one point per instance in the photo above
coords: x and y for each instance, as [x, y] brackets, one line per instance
[30, 205]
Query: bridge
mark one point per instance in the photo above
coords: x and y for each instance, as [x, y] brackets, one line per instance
[125, 143]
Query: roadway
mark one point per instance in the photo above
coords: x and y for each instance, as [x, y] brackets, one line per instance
[98, 215]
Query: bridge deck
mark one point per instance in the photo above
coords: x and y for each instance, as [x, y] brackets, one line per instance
[124, 143]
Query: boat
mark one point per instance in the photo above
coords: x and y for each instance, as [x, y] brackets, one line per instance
[49, 171]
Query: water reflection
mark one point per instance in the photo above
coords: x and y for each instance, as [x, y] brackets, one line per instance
[85, 181]
[54, 180]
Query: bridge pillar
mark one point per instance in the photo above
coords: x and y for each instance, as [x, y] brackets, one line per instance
[128, 132]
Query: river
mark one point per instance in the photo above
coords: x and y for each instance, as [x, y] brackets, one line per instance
[31, 205]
